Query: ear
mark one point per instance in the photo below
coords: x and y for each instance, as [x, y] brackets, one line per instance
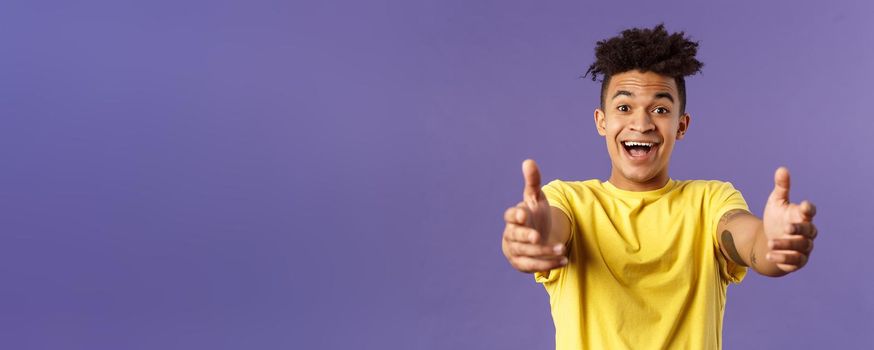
[685, 119]
[600, 122]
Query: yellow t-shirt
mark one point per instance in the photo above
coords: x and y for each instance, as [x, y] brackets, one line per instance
[645, 270]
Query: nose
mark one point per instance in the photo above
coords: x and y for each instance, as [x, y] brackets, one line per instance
[641, 122]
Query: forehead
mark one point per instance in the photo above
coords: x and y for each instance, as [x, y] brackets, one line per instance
[641, 84]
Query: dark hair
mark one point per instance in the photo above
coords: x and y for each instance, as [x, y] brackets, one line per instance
[647, 50]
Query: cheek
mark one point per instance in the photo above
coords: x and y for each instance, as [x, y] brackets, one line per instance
[613, 128]
[669, 130]
[672, 125]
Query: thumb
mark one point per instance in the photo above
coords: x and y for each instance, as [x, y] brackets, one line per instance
[532, 180]
[780, 194]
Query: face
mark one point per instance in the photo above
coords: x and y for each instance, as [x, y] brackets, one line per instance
[641, 121]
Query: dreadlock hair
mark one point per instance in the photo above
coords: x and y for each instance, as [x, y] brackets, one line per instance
[648, 50]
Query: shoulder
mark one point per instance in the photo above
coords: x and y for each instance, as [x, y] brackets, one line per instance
[710, 187]
[574, 186]
[717, 197]
[710, 193]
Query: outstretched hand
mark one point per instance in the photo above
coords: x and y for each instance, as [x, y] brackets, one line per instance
[788, 226]
[525, 242]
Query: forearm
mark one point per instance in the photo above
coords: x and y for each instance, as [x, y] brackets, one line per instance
[743, 241]
[560, 231]
[757, 256]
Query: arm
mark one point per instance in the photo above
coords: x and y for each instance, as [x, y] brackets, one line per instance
[535, 233]
[777, 244]
[742, 240]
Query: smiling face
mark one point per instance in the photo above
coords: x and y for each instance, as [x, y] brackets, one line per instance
[641, 121]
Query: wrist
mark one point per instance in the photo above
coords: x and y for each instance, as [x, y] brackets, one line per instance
[758, 257]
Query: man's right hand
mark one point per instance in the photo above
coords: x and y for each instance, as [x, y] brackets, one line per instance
[526, 243]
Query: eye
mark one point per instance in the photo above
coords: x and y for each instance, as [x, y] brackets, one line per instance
[661, 110]
[623, 108]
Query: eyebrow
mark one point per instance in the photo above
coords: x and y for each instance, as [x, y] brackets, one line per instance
[622, 92]
[666, 95]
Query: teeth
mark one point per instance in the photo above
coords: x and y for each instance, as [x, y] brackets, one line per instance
[634, 143]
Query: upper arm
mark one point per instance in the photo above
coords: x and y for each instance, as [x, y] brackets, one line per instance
[736, 232]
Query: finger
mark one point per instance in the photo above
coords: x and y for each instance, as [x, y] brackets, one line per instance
[808, 210]
[523, 213]
[804, 229]
[788, 268]
[532, 180]
[522, 234]
[536, 250]
[515, 215]
[787, 257]
[781, 186]
[526, 264]
[796, 243]
[801, 212]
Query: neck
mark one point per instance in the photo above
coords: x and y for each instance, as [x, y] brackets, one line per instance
[626, 184]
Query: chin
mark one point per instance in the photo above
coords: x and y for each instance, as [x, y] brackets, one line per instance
[640, 176]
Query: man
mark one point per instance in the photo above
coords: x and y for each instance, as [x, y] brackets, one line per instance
[643, 261]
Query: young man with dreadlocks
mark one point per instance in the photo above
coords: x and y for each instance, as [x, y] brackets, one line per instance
[642, 261]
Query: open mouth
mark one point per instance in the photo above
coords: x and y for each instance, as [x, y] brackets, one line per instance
[638, 149]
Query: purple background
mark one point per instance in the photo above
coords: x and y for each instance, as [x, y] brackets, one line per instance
[326, 175]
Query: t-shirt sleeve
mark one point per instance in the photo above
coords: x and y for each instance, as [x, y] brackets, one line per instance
[726, 198]
[558, 199]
